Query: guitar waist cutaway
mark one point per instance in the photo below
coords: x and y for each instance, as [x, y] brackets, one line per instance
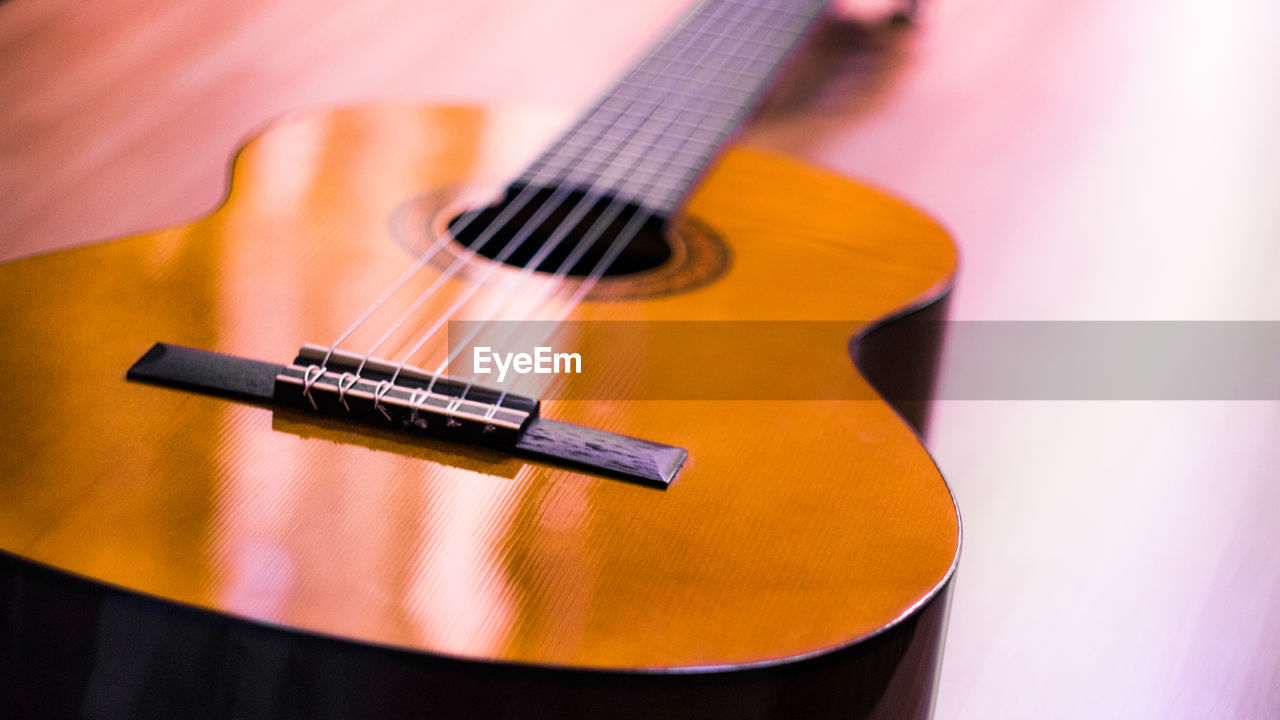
[386, 396]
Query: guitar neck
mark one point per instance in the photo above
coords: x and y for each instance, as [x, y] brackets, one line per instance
[648, 139]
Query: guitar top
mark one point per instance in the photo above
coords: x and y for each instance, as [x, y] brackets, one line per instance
[788, 528]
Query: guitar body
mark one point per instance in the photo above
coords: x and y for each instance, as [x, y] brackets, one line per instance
[166, 552]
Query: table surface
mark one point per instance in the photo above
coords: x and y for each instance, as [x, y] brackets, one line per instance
[1096, 161]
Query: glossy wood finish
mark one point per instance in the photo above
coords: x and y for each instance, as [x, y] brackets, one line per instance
[1095, 160]
[775, 541]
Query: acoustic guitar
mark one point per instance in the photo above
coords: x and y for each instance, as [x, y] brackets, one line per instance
[236, 483]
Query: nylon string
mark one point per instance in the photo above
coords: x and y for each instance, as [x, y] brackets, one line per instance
[601, 186]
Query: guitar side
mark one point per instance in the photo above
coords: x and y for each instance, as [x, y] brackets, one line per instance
[799, 561]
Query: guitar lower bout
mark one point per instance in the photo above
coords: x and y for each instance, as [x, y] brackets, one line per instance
[188, 539]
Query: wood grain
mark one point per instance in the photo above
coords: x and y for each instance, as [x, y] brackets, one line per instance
[1095, 160]
[329, 529]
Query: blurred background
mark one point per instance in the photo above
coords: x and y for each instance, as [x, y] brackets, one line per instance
[1094, 160]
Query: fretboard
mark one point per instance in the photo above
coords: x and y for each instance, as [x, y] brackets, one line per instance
[651, 135]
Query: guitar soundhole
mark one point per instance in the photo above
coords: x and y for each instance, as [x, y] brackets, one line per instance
[682, 256]
[564, 231]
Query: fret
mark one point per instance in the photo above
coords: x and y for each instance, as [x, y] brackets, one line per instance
[763, 48]
[624, 122]
[687, 101]
[678, 122]
[660, 189]
[683, 150]
[595, 154]
[596, 123]
[616, 177]
[677, 105]
[761, 65]
[692, 100]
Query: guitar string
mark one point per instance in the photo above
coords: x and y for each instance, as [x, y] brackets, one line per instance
[597, 272]
[559, 196]
[731, 117]
[590, 239]
[520, 201]
[580, 292]
[557, 201]
[597, 229]
[566, 140]
[637, 70]
[599, 191]
[527, 193]
[611, 254]
[472, 215]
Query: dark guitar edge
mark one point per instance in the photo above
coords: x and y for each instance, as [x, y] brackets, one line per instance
[899, 356]
[91, 650]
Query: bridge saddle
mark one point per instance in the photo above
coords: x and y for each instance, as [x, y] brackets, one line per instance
[382, 393]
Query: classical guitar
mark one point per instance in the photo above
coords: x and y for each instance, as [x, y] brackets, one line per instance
[259, 466]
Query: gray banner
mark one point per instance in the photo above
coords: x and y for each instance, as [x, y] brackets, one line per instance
[982, 360]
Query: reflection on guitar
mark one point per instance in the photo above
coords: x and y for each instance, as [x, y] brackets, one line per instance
[294, 506]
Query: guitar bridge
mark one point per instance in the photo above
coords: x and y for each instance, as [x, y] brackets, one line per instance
[384, 395]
